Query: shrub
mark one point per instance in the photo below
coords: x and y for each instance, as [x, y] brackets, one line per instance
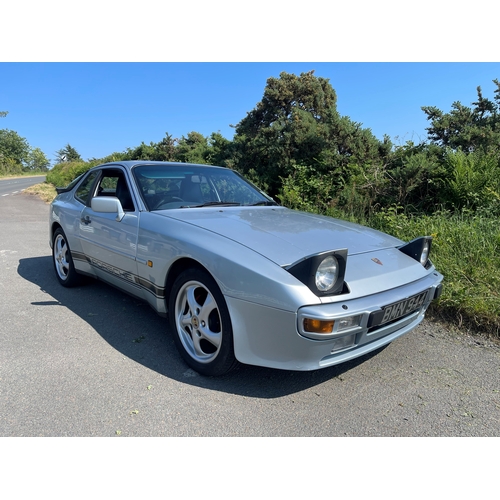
[63, 173]
[474, 181]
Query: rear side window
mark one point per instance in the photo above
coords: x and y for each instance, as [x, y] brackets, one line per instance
[82, 193]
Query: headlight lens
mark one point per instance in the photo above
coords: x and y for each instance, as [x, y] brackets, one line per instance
[327, 274]
[425, 253]
[323, 273]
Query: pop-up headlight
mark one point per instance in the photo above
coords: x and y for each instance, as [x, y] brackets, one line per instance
[323, 273]
[419, 249]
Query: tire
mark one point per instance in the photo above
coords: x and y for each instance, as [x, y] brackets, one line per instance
[201, 325]
[63, 262]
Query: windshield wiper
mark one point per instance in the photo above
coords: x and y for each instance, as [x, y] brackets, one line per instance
[214, 204]
[264, 204]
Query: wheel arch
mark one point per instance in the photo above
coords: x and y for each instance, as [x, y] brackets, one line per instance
[178, 267]
[53, 228]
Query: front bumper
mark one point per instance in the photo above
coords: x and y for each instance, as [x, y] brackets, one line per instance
[265, 336]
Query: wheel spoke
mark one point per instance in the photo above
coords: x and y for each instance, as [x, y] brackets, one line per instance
[215, 338]
[197, 345]
[185, 319]
[206, 308]
[191, 300]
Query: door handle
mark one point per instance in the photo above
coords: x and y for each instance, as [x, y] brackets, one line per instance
[86, 219]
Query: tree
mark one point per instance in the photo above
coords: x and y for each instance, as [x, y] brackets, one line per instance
[68, 153]
[159, 151]
[192, 149]
[37, 160]
[220, 150]
[467, 128]
[13, 147]
[416, 175]
[3, 114]
[16, 155]
[297, 123]
[165, 149]
[142, 152]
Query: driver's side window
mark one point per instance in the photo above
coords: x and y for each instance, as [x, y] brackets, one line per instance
[114, 183]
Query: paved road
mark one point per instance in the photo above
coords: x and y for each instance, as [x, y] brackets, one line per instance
[14, 186]
[92, 361]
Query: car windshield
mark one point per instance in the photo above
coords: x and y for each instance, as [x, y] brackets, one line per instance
[166, 187]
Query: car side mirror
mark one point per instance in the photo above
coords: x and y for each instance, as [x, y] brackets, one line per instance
[108, 205]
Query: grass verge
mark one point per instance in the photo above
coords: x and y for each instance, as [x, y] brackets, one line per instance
[45, 191]
[466, 250]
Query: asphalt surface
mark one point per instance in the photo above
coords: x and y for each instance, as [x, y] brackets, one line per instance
[13, 186]
[92, 361]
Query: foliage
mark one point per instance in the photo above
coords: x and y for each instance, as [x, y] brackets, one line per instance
[13, 146]
[195, 148]
[67, 153]
[159, 151]
[467, 128]
[109, 158]
[63, 173]
[142, 152]
[297, 123]
[37, 161]
[16, 155]
[220, 151]
[364, 191]
[306, 189]
[416, 177]
[9, 166]
[474, 181]
[192, 149]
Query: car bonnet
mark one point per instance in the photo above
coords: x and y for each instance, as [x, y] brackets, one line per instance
[282, 235]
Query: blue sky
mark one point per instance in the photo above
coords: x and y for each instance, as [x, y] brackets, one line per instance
[66, 74]
[101, 108]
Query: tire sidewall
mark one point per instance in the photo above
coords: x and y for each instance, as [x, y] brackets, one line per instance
[72, 279]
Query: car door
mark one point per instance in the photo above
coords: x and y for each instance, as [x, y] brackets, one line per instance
[109, 240]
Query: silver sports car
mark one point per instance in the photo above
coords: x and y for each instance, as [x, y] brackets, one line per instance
[241, 278]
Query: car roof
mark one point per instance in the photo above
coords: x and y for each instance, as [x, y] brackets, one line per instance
[132, 163]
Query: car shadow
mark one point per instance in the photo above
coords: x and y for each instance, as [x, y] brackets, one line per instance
[134, 329]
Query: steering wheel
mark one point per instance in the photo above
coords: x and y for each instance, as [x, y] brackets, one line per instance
[165, 200]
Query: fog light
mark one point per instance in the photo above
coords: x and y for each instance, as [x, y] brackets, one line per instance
[318, 325]
[349, 322]
[343, 343]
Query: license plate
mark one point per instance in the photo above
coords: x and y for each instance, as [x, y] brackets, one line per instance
[397, 310]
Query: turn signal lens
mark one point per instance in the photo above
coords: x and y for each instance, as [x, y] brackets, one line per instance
[318, 325]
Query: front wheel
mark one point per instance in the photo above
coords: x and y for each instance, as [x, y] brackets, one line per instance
[63, 263]
[201, 325]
